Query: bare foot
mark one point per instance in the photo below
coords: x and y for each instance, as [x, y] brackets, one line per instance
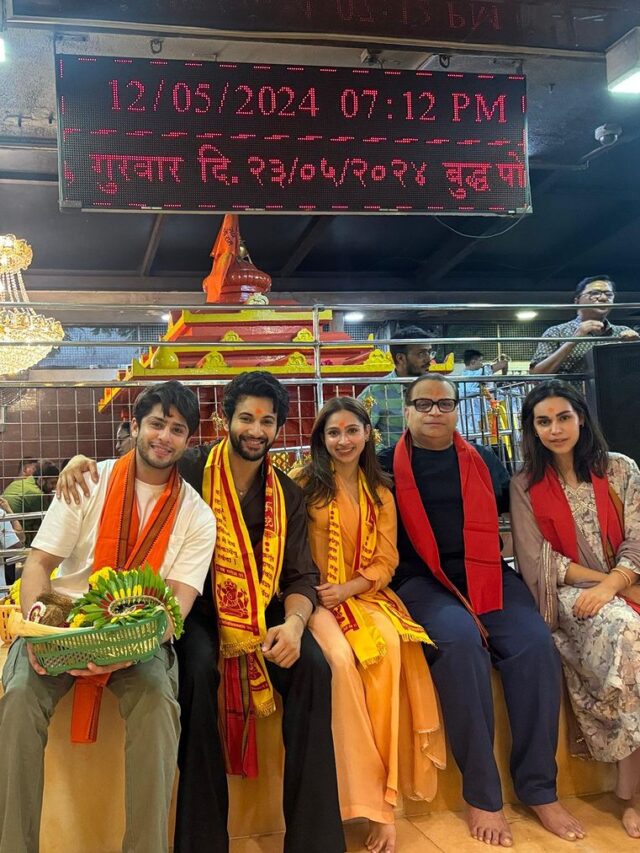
[381, 838]
[559, 821]
[631, 820]
[490, 827]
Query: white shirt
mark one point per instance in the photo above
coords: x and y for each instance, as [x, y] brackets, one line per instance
[70, 532]
[8, 539]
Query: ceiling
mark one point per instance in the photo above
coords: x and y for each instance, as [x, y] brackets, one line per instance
[586, 198]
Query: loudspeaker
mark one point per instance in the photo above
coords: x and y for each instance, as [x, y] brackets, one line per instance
[615, 395]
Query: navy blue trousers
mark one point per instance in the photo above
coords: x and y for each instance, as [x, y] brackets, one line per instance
[522, 650]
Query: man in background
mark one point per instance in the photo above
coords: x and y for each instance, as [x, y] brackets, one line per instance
[385, 400]
[594, 296]
[32, 492]
[471, 405]
[124, 441]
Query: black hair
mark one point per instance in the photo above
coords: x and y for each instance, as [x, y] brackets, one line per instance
[125, 425]
[29, 460]
[47, 469]
[318, 479]
[590, 452]
[167, 394]
[412, 332]
[431, 377]
[469, 354]
[580, 286]
[256, 383]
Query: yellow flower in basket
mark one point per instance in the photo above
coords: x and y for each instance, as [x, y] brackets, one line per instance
[77, 621]
[14, 593]
[104, 573]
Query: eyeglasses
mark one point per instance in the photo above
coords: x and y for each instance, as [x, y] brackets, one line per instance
[424, 404]
[593, 294]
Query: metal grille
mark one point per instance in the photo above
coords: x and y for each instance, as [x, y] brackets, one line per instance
[516, 350]
[101, 357]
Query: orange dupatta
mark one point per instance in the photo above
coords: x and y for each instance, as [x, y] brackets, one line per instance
[121, 545]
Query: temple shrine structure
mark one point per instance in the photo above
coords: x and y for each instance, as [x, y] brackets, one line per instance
[213, 344]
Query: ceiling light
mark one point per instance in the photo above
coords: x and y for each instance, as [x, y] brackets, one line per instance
[527, 315]
[3, 52]
[353, 317]
[21, 325]
[623, 64]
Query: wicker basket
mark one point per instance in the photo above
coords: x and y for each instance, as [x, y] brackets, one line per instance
[5, 612]
[60, 649]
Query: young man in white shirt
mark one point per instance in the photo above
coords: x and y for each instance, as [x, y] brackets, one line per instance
[75, 537]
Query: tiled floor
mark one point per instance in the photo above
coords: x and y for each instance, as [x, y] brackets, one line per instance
[446, 832]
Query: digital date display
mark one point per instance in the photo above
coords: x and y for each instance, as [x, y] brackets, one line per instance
[139, 134]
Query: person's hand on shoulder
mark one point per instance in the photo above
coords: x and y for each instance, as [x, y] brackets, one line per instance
[72, 483]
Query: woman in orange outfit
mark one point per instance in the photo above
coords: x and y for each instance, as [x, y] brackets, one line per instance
[386, 725]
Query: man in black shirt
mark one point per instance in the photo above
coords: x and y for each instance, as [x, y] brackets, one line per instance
[476, 610]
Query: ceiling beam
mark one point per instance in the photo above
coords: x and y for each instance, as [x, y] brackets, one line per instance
[152, 245]
[589, 236]
[309, 238]
[451, 253]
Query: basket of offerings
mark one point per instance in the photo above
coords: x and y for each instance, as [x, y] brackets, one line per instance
[123, 617]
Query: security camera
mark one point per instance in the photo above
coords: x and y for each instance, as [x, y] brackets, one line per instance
[607, 134]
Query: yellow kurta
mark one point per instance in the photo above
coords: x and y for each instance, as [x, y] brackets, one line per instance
[386, 725]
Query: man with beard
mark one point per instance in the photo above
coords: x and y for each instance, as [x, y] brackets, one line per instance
[254, 610]
[387, 407]
[138, 511]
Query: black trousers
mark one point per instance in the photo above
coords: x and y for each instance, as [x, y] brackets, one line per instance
[310, 796]
[522, 650]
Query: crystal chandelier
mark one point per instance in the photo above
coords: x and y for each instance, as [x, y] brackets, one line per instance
[20, 325]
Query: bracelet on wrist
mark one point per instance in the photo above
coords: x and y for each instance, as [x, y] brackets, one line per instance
[300, 616]
[628, 580]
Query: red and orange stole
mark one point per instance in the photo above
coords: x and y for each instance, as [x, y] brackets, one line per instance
[482, 559]
[121, 545]
[556, 523]
[364, 638]
[242, 592]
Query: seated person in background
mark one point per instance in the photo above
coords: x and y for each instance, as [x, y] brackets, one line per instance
[575, 511]
[255, 610]
[472, 408]
[387, 409]
[32, 493]
[386, 727]
[11, 536]
[124, 440]
[477, 611]
[595, 296]
[165, 524]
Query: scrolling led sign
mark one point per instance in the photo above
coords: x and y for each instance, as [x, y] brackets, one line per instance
[139, 134]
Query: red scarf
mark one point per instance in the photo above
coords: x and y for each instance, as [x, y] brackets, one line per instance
[556, 523]
[482, 559]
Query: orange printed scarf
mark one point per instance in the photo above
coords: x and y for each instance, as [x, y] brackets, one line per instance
[121, 545]
[242, 593]
[364, 638]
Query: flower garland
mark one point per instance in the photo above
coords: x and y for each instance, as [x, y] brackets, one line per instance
[123, 598]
